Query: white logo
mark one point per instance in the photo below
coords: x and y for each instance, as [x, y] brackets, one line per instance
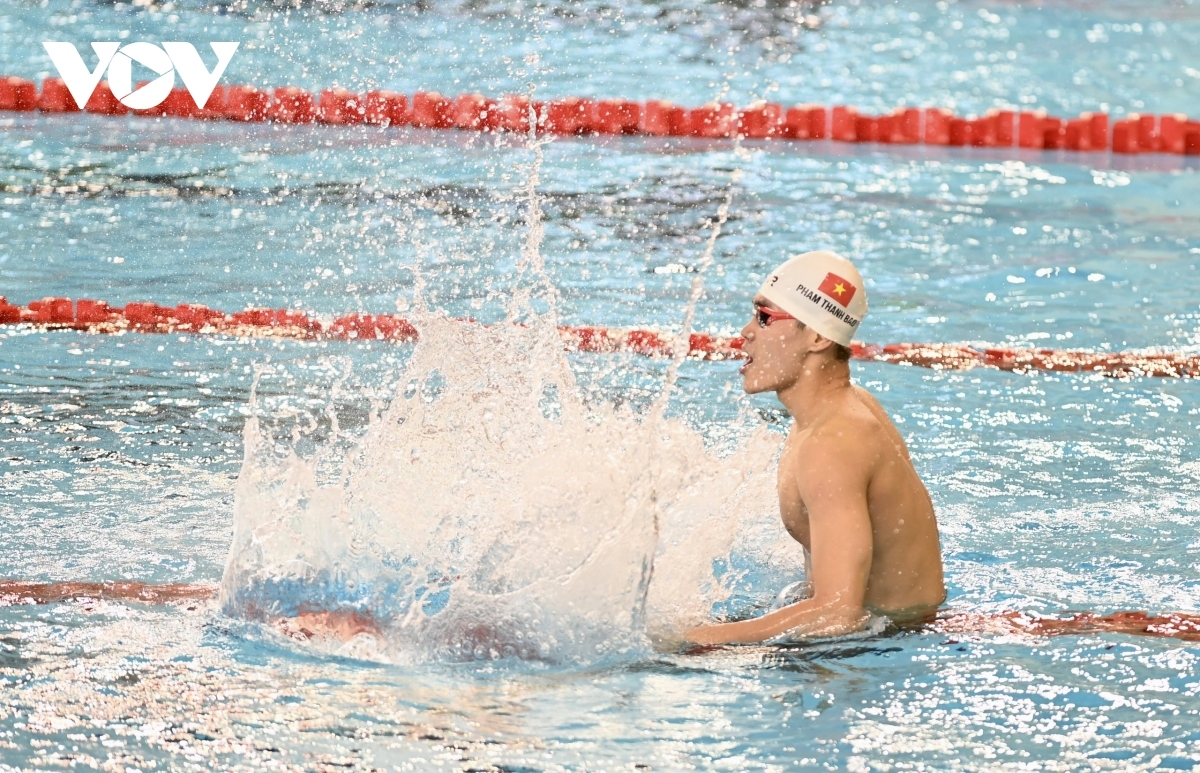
[165, 62]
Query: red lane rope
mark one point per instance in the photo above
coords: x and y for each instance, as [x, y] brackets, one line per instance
[1000, 128]
[1172, 625]
[98, 317]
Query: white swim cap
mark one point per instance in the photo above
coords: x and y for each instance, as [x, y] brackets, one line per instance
[821, 289]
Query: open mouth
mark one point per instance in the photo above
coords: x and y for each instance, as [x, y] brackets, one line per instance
[746, 364]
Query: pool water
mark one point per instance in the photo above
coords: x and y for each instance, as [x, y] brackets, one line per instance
[121, 454]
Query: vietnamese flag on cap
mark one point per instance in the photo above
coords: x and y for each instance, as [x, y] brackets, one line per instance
[839, 289]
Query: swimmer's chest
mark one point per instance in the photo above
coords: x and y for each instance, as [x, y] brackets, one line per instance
[791, 504]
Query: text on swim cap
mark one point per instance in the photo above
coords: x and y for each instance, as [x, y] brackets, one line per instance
[827, 305]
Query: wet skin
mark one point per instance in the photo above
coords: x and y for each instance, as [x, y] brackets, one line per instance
[847, 490]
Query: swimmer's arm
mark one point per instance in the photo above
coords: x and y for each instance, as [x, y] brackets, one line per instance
[833, 483]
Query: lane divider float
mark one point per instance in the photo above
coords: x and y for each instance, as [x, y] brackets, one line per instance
[1172, 625]
[95, 316]
[1172, 133]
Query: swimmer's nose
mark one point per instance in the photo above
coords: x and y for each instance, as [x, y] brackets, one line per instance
[748, 330]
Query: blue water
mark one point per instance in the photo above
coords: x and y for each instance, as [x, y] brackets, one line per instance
[1054, 492]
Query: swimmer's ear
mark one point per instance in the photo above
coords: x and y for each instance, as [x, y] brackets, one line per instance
[823, 344]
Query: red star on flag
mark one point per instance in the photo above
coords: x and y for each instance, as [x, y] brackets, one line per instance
[841, 290]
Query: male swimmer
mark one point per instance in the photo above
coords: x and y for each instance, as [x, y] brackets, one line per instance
[848, 491]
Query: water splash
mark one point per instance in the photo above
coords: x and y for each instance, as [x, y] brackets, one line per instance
[490, 513]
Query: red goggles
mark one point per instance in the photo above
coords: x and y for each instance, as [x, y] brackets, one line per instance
[766, 316]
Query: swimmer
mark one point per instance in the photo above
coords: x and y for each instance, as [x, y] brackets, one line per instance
[848, 491]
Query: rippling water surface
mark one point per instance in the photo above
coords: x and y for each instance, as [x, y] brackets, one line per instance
[120, 455]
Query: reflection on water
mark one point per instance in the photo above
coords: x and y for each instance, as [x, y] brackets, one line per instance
[109, 684]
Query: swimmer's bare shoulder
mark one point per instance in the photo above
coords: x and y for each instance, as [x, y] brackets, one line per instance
[869, 402]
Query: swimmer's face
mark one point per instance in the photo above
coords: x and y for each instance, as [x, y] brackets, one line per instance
[775, 349]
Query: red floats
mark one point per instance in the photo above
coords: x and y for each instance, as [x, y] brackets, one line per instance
[705, 345]
[1078, 134]
[983, 131]
[795, 123]
[616, 116]
[179, 104]
[1124, 136]
[909, 126]
[385, 108]
[18, 94]
[98, 317]
[1006, 128]
[589, 339]
[214, 108]
[89, 312]
[1191, 139]
[1031, 129]
[959, 132]
[844, 124]
[1087, 132]
[470, 112]
[1147, 131]
[889, 129]
[197, 317]
[102, 102]
[680, 120]
[377, 327]
[1170, 133]
[1054, 136]
[54, 311]
[1002, 128]
[9, 314]
[866, 128]
[806, 122]
[1098, 123]
[340, 107]
[246, 103]
[760, 121]
[569, 115]
[273, 318]
[713, 120]
[511, 114]
[292, 105]
[645, 342]
[656, 118]
[430, 110]
[56, 98]
[148, 315]
[937, 126]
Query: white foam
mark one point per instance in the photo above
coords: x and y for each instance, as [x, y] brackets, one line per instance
[490, 513]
